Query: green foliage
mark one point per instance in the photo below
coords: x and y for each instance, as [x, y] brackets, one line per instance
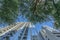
[40, 10]
[9, 11]
[57, 15]
[33, 10]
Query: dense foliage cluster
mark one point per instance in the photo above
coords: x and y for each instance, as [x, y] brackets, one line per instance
[8, 10]
[40, 10]
[33, 10]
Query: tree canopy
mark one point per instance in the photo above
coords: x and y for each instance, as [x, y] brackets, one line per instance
[40, 10]
[8, 10]
[34, 10]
